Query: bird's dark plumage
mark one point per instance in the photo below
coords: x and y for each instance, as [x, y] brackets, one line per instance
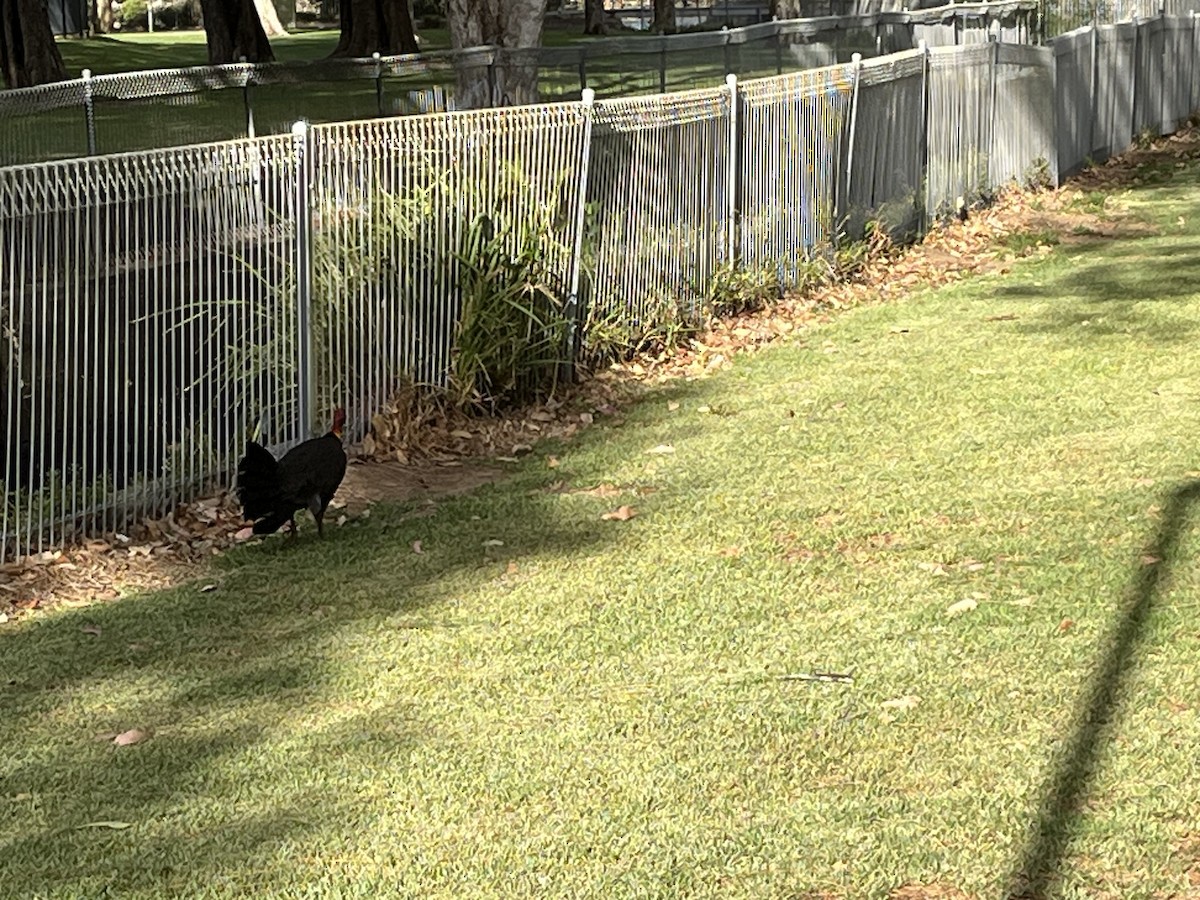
[306, 477]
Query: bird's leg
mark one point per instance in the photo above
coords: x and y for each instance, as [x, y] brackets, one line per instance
[292, 529]
[318, 513]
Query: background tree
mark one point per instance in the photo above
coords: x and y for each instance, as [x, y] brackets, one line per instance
[269, 17]
[513, 26]
[102, 16]
[28, 54]
[234, 30]
[376, 26]
[594, 21]
[664, 17]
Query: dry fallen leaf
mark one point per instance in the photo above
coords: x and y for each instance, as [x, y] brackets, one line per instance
[208, 588]
[1066, 625]
[130, 737]
[552, 462]
[91, 629]
[962, 606]
[110, 824]
[416, 547]
[620, 514]
[512, 569]
[493, 543]
[662, 449]
[933, 568]
[672, 405]
[908, 701]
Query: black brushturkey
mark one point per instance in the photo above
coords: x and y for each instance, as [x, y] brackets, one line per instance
[306, 477]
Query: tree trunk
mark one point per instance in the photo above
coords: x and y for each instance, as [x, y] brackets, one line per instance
[376, 26]
[269, 17]
[234, 31]
[511, 25]
[594, 21]
[102, 16]
[664, 17]
[28, 54]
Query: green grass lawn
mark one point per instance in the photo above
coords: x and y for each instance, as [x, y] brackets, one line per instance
[596, 709]
[136, 51]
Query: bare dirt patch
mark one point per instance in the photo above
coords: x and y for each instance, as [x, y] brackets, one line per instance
[416, 452]
[391, 482]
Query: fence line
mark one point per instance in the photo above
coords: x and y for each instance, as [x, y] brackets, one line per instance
[145, 110]
[160, 307]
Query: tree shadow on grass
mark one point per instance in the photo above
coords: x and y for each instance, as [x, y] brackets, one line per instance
[244, 690]
[1114, 288]
[1066, 790]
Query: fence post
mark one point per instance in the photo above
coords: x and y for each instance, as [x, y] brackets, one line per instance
[1193, 98]
[378, 82]
[1095, 82]
[924, 192]
[305, 369]
[778, 47]
[856, 64]
[994, 75]
[89, 112]
[573, 308]
[662, 65]
[731, 175]
[491, 74]
[247, 74]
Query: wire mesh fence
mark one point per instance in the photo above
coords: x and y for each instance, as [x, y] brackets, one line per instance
[960, 117]
[794, 128]
[1023, 147]
[141, 110]
[885, 162]
[395, 207]
[659, 207]
[160, 307]
[147, 322]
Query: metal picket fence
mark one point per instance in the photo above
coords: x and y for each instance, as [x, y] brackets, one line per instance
[657, 233]
[794, 128]
[161, 307]
[144, 110]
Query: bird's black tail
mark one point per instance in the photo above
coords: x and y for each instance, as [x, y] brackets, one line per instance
[258, 482]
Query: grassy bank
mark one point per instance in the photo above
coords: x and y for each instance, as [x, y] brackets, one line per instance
[975, 502]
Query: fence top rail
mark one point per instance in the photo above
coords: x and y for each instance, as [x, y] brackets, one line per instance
[83, 168]
[194, 79]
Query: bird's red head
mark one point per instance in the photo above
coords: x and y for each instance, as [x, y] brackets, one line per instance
[339, 422]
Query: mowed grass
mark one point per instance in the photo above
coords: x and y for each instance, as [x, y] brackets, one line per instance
[595, 708]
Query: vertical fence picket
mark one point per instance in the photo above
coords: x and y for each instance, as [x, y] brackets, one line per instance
[305, 354]
[573, 309]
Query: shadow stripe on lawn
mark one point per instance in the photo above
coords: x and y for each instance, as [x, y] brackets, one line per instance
[1065, 790]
